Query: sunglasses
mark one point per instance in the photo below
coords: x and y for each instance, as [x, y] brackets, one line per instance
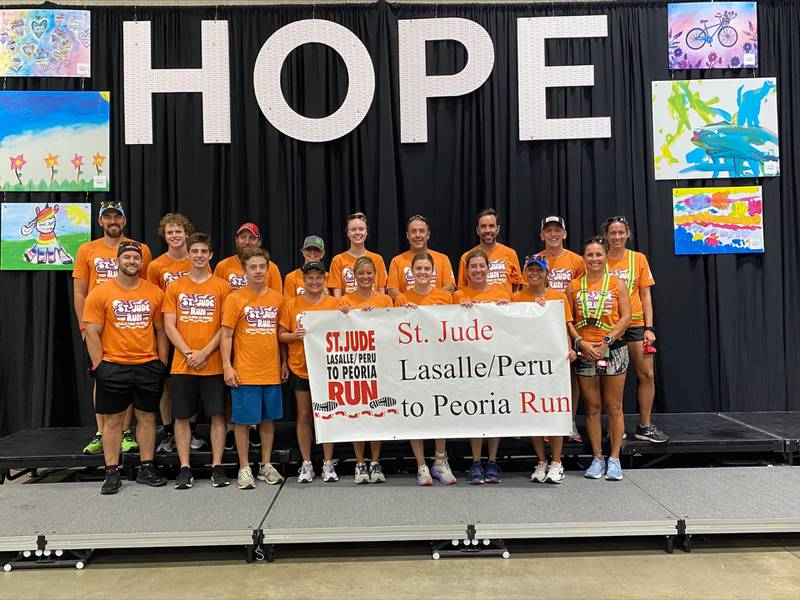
[417, 218]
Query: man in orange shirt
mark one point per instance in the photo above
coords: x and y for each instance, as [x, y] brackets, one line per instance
[192, 318]
[128, 347]
[503, 262]
[95, 263]
[250, 337]
[313, 251]
[564, 264]
[230, 269]
[400, 276]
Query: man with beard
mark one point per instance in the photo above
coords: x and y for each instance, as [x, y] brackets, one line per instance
[503, 262]
[230, 269]
[95, 263]
[400, 277]
[128, 347]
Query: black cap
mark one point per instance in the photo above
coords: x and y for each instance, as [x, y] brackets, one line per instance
[128, 246]
[552, 219]
[312, 266]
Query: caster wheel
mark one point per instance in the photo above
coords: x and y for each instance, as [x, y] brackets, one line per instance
[466, 542]
[47, 552]
[475, 542]
[79, 565]
[7, 568]
[59, 553]
[506, 554]
[455, 542]
[435, 556]
[38, 552]
[486, 542]
[27, 554]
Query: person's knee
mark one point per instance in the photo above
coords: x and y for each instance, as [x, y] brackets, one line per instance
[645, 374]
[614, 409]
[145, 418]
[303, 418]
[592, 408]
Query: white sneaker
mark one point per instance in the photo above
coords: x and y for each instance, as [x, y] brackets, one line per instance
[441, 470]
[539, 473]
[424, 476]
[167, 444]
[269, 474]
[329, 471]
[361, 475]
[197, 443]
[555, 473]
[376, 473]
[245, 480]
[306, 472]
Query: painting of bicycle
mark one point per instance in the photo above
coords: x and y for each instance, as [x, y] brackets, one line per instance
[712, 35]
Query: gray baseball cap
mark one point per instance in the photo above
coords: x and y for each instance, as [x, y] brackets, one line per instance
[314, 241]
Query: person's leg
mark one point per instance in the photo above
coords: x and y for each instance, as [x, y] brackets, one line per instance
[375, 451]
[645, 375]
[327, 451]
[358, 450]
[99, 419]
[590, 392]
[304, 421]
[476, 446]
[145, 434]
[418, 448]
[127, 419]
[241, 431]
[556, 447]
[165, 407]
[538, 447]
[112, 437]
[613, 386]
[441, 446]
[212, 398]
[183, 437]
[218, 430]
[266, 431]
[576, 400]
[491, 447]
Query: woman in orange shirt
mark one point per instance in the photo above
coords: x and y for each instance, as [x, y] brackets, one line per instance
[341, 278]
[422, 293]
[478, 290]
[602, 310]
[366, 298]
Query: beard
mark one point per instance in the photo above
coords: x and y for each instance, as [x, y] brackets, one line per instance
[113, 231]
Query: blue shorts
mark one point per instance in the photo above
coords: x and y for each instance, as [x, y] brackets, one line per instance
[251, 404]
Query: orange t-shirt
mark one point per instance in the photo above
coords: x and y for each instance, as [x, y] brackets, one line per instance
[293, 284]
[127, 317]
[230, 269]
[97, 263]
[562, 270]
[503, 268]
[549, 294]
[618, 267]
[401, 278]
[164, 270]
[254, 320]
[376, 300]
[291, 316]
[610, 314]
[198, 314]
[435, 296]
[493, 294]
[341, 276]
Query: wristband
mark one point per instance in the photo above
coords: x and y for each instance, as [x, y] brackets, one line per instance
[81, 328]
[650, 329]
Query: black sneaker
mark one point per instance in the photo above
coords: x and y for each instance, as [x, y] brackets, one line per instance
[113, 482]
[148, 475]
[184, 480]
[218, 477]
[230, 440]
[651, 433]
[255, 438]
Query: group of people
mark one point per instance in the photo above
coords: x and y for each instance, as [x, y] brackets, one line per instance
[170, 335]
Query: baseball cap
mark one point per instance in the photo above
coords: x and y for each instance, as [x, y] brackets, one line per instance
[251, 227]
[313, 241]
[552, 219]
[536, 259]
[312, 266]
[128, 246]
[110, 205]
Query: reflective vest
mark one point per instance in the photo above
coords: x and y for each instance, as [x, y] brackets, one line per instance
[583, 300]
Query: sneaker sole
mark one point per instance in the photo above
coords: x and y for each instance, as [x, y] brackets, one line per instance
[537, 480]
[424, 483]
[492, 481]
[183, 487]
[362, 482]
[220, 484]
[644, 438]
[377, 481]
[443, 481]
[554, 481]
[613, 478]
[305, 480]
[476, 482]
[160, 484]
[110, 492]
[246, 487]
[598, 476]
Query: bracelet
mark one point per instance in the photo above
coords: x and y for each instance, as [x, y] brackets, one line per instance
[81, 328]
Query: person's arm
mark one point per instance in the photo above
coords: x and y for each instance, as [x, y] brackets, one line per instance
[624, 311]
[647, 305]
[392, 293]
[93, 343]
[449, 287]
[284, 362]
[201, 356]
[79, 287]
[170, 326]
[225, 349]
[162, 342]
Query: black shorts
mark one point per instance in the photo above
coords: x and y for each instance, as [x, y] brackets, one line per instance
[119, 386]
[191, 392]
[633, 334]
[298, 384]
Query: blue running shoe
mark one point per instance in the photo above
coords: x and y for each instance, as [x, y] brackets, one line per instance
[614, 471]
[475, 476]
[596, 469]
[492, 473]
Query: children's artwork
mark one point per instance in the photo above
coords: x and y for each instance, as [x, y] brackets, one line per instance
[712, 35]
[705, 129]
[54, 141]
[718, 220]
[45, 43]
[42, 236]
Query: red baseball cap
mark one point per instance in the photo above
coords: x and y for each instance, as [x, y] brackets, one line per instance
[251, 227]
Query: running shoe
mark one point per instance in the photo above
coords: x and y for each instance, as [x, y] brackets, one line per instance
[218, 477]
[614, 470]
[230, 440]
[269, 474]
[184, 480]
[555, 473]
[112, 483]
[197, 442]
[167, 444]
[329, 471]
[492, 473]
[255, 437]
[576, 436]
[95, 446]
[475, 476]
[128, 442]
[596, 469]
[306, 472]
[149, 476]
[376, 473]
[245, 479]
[651, 433]
[539, 473]
[424, 476]
[361, 474]
[441, 471]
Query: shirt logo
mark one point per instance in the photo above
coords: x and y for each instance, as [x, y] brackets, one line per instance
[497, 271]
[260, 320]
[237, 281]
[299, 320]
[170, 277]
[197, 308]
[131, 314]
[105, 268]
[592, 299]
[559, 279]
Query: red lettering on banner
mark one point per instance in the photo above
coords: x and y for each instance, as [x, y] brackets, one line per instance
[353, 392]
[409, 334]
[528, 403]
[470, 333]
[561, 404]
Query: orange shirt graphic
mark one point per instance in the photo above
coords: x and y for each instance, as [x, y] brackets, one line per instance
[341, 276]
[401, 278]
[376, 300]
[96, 263]
[164, 270]
[254, 320]
[292, 316]
[610, 313]
[562, 270]
[230, 269]
[642, 277]
[293, 284]
[198, 315]
[127, 317]
[503, 268]
[493, 294]
[434, 297]
[549, 294]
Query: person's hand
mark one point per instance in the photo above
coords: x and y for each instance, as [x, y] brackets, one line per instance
[501, 302]
[366, 308]
[344, 309]
[540, 301]
[83, 335]
[231, 376]
[300, 332]
[411, 305]
[467, 304]
[600, 349]
[284, 371]
[589, 350]
[195, 358]
[201, 366]
[649, 336]
[571, 355]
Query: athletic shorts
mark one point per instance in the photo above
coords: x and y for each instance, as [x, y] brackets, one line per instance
[252, 404]
[617, 360]
[192, 392]
[298, 384]
[119, 386]
[634, 334]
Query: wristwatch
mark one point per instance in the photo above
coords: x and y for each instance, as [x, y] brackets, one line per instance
[608, 340]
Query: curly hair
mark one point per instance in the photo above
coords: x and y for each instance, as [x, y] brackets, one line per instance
[175, 219]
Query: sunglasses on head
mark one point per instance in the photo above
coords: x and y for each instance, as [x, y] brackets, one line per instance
[110, 204]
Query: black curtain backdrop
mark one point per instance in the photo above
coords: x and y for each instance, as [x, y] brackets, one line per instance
[726, 324]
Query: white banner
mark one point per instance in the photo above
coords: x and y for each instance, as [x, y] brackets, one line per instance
[439, 372]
